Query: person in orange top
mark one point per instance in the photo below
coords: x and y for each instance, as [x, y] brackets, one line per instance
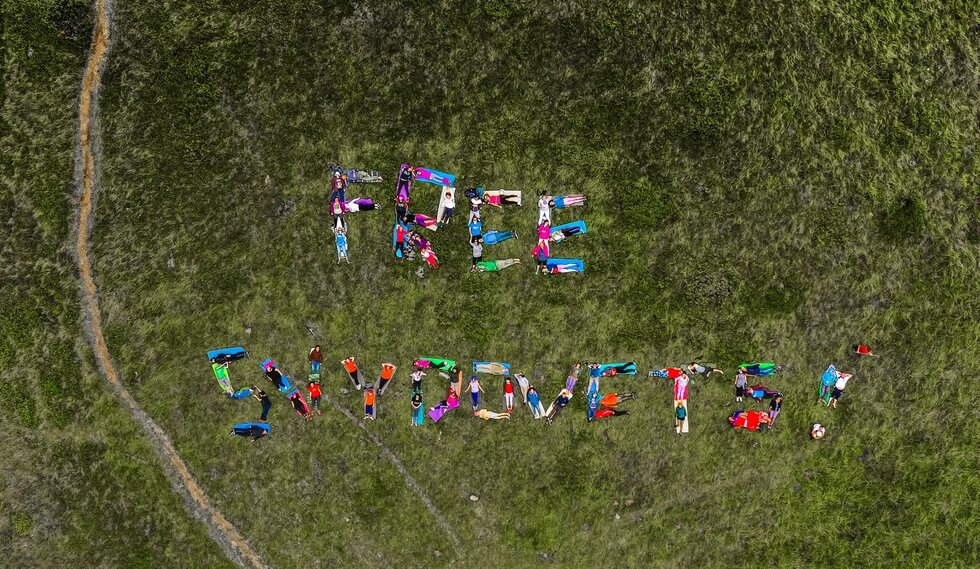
[314, 389]
[369, 401]
[613, 399]
[350, 366]
[387, 372]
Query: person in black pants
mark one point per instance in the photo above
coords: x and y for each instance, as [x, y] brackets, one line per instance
[275, 376]
[477, 244]
[264, 400]
[255, 432]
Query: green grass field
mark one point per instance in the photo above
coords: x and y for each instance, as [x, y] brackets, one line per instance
[766, 182]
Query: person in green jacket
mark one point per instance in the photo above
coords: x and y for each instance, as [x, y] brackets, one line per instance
[495, 265]
[680, 413]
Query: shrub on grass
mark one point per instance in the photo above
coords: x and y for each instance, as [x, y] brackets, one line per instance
[72, 20]
[904, 219]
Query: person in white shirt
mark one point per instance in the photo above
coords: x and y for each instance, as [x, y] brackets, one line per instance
[449, 206]
[417, 376]
[544, 208]
[835, 395]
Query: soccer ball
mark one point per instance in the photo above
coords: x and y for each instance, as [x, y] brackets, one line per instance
[817, 431]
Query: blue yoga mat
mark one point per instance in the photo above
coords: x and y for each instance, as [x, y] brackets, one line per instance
[235, 353]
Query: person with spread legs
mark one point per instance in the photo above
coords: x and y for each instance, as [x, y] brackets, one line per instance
[705, 370]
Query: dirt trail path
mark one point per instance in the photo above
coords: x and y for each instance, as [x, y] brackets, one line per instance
[87, 155]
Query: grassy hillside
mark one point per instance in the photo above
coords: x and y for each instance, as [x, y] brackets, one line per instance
[765, 182]
[79, 485]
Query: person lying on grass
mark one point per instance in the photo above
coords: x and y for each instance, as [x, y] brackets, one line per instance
[534, 402]
[488, 415]
[705, 370]
[264, 400]
[256, 432]
[316, 359]
[449, 206]
[680, 414]
[509, 394]
[275, 376]
[775, 406]
[475, 389]
[563, 398]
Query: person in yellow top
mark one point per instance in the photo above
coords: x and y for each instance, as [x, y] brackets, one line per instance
[488, 415]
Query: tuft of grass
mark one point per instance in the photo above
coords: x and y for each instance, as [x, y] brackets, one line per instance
[22, 523]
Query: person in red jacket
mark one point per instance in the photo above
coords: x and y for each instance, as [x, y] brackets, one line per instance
[314, 389]
[401, 234]
[509, 394]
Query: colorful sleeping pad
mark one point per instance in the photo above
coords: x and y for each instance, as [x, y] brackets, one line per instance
[241, 393]
[441, 364]
[223, 355]
[760, 369]
[560, 232]
[749, 420]
[492, 368]
[565, 265]
[569, 200]
[418, 413]
[286, 386]
[434, 177]
[621, 368]
[437, 412]
[827, 381]
[248, 429]
[667, 373]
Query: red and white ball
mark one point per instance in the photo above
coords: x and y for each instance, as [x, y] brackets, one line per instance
[817, 431]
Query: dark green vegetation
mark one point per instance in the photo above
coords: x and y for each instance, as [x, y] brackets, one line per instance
[765, 182]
